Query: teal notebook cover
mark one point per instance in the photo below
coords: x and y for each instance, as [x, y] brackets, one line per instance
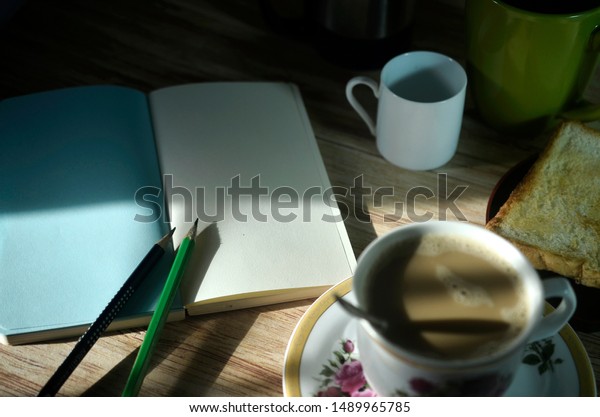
[71, 161]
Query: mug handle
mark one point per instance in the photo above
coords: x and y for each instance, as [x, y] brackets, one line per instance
[586, 111]
[354, 102]
[553, 322]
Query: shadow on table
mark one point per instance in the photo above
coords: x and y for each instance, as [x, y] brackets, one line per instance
[202, 356]
[192, 354]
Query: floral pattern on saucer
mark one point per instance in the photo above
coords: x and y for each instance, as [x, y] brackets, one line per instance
[322, 348]
[541, 354]
[342, 375]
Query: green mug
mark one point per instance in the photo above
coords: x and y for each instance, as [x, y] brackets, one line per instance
[529, 62]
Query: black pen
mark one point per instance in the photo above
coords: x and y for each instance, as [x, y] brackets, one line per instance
[115, 305]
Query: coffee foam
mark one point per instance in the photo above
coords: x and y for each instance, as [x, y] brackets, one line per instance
[472, 295]
[461, 291]
[515, 317]
[517, 314]
[432, 245]
[387, 289]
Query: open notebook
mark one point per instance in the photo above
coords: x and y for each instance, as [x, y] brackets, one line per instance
[92, 176]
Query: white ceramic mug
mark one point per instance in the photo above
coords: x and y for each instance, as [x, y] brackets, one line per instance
[392, 369]
[419, 114]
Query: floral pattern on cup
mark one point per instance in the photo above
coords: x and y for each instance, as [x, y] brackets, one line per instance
[343, 375]
[491, 384]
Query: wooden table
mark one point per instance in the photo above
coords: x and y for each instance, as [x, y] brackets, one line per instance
[151, 44]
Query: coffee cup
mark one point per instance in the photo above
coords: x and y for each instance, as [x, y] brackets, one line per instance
[459, 304]
[529, 62]
[421, 98]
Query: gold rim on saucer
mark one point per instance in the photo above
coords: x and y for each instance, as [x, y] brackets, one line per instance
[297, 343]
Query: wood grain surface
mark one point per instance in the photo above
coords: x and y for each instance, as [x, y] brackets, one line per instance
[149, 44]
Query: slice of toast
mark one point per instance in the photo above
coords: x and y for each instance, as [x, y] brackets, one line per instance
[553, 215]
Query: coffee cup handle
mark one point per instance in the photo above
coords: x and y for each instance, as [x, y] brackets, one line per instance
[354, 102]
[552, 323]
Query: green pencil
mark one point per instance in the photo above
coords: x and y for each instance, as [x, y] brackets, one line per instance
[138, 372]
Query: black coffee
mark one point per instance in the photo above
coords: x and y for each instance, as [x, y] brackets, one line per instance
[554, 6]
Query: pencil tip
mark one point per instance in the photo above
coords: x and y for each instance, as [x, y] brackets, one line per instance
[193, 230]
[164, 241]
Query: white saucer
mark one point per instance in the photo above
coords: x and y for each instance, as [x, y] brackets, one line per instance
[315, 352]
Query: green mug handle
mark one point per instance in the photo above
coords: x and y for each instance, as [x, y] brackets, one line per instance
[586, 111]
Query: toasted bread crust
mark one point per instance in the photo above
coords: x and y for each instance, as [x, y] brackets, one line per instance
[573, 268]
[530, 242]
